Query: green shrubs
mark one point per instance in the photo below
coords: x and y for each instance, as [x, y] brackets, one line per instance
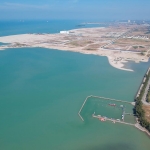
[138, 106]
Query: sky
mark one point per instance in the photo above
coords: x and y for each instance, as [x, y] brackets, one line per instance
[75, 9]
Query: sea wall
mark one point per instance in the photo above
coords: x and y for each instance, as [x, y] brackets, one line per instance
[142, 83]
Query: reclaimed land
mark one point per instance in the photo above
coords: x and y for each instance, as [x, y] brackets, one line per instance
[120, 43]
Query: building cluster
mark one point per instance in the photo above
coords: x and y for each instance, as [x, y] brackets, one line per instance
[113, 34]
[71, 33]
[137, 37]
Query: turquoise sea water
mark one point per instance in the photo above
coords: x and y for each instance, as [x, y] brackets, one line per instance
[42, 90]
[42, 26]
[1, 44]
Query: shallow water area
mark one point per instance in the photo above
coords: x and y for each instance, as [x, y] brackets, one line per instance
[3, 44]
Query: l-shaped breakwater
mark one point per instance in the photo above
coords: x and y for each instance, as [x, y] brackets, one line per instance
[104, 98]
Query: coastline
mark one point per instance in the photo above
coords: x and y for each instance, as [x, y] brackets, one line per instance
[66, 42]
[118, 65]
[138, 126]
[140, 100]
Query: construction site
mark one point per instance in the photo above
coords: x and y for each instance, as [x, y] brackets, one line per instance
[128, 42]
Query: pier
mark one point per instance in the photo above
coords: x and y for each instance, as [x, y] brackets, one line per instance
[128, 114]
[137, 125]
[82, 107]
[113, 120]
[112, 99]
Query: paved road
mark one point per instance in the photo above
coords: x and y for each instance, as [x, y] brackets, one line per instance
[145, 94]
[114, 40]
[147, 52]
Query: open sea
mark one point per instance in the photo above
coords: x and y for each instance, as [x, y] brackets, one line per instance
[42, 90]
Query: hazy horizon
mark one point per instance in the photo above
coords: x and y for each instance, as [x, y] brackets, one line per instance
[75, 9]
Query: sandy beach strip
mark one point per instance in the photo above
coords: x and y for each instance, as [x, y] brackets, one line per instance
[118, 64]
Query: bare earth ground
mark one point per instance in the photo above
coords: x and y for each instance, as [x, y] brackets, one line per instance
[131, 44]
[111, 41]
[147, 112]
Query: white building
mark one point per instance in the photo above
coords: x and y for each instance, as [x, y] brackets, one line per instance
[64, 32]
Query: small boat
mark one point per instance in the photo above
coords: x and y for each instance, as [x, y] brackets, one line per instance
[112, 104]
[102, 119]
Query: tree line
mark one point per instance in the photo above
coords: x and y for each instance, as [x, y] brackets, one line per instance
[138, 110]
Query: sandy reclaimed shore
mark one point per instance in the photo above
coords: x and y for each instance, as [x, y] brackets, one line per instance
[118, 65]
[79, 40]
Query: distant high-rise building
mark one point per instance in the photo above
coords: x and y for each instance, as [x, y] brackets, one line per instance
[129, 21]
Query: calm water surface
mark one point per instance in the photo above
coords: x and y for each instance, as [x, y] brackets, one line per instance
[42, 90]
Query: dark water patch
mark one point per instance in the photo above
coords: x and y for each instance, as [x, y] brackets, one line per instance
[120, 146]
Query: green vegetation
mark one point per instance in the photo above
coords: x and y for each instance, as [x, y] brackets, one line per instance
[142, 53]
[148, 32]
[135, 47]
[141, 47]
[148, 96]
[138, 106]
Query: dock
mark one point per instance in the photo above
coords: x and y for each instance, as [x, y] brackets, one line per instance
[112, 120]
